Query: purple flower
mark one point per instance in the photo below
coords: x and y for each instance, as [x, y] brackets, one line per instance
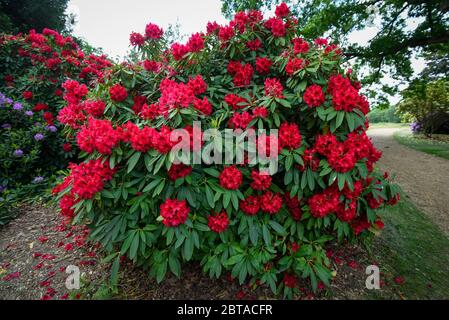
[6, 126]
[29, 113]
[2, 188]
[9, 101]
[38, 179]
[17, 106]
[38, 136]
[51, 128]
[18, 153]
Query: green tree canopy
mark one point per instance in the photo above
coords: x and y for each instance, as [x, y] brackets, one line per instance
[405, 27]
[23, 15]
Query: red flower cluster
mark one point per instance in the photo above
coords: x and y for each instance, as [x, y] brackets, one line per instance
[263, 65]
[300, 46]
[219, 222]
[174, 212]
[294, 65]
[277, 26]
[324, 203]
[270, 202]
[289, 136]
[342, 156]
[345, 96]
[74, 91]
[98, 135]
[231, 178]
[177, 171]
[235, 102]
[153, 31]
[261, 181]
[250, 206]
[95, 108]
[273, 88]
[314, 96]
[294, 206]
[118, 93]
[88, 178]
[242, 73]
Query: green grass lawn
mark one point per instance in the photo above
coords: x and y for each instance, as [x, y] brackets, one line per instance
[388, 125]
[413, 247]
[438, 145]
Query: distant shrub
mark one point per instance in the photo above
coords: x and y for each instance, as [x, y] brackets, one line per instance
[384, 115]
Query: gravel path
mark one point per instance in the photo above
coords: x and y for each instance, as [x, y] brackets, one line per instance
[424, 177]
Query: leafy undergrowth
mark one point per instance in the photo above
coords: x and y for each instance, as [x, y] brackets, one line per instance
[437, 145]
[413, 252]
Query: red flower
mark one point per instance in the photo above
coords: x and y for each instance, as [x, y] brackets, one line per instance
[95, 108]
[322, 204]
[300, 46]
[314, 96]
[231, 178]
[273, 88]
[48, 117]
[270, 202]
[260, 112]
[27, 95]
[67, 147]
[263, 65]
[254, 45]
[197, 85]
[151, 65]
[179, 171]
[290, 281]
[289, 136]
[399, 280]
[118, 93]
[40, 107]
[178, 51]
[174, 212]
[235, 102]
[295, 247]
[294, 65]
[90, 177]
[277, 27]
[261, 181]
[218, 223]
[98, 135]
[153, 31]
[282, 10]
[42, 239]
[226, 33]
[250, 206]
[195, 43]
[136, 39]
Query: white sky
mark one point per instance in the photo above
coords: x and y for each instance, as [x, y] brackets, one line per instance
[108, 23]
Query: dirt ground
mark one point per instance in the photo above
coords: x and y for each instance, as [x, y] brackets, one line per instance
[423, 177]
[35, 250]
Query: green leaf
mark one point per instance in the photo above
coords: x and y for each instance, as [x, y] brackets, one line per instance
[188, 248]
[133, 161]
[210, 197]
[266, 235]
[340, 117]
[278, 228]
[134, 247]
[114, 272]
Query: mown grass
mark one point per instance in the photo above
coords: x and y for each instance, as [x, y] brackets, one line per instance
[412, 247]
[437, 145]
[388, 125]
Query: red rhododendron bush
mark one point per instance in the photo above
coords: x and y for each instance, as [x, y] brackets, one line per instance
[262, 221]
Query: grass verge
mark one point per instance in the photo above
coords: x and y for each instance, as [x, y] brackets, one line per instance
[388, 125]
[438, 145]
[413, 248]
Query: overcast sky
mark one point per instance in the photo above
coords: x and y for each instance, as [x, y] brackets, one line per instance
[108, 23]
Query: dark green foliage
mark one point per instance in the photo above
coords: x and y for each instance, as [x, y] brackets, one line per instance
[24, 15]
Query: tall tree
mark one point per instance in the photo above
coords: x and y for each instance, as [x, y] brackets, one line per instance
[404, 28]
[23, 15]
